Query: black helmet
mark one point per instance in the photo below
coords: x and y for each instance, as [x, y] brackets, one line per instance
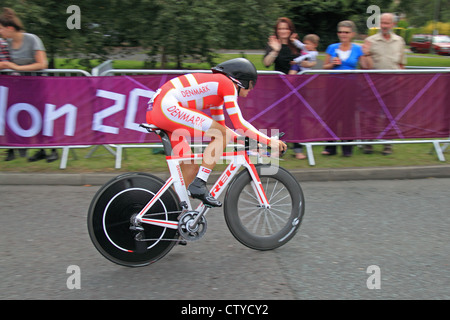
[239, 70]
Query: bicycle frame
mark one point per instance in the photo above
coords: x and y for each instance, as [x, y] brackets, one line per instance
[237, 160]
[136, 218]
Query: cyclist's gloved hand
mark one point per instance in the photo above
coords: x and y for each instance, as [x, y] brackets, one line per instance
[279, 148]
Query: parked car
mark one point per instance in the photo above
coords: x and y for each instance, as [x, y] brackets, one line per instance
[422, 43]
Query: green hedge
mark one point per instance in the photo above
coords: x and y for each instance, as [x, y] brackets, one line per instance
[404, 33]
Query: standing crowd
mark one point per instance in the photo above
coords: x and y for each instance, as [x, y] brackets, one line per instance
[384, 50]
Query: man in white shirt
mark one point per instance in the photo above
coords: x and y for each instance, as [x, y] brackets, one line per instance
[387, 51]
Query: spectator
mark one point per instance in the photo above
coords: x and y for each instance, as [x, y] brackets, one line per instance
[344, 55]
[386, 51]
[5, 56]
[309, 53]
[281, 51]
[27, 53]
[4, 51]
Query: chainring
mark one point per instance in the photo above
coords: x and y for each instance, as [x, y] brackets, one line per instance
[189, 232]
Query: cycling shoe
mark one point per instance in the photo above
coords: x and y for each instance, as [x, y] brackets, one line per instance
[198, 190]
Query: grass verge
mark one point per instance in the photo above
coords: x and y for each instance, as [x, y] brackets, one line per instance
[144, 160]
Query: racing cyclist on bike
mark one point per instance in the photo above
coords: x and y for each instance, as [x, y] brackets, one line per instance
[177, 109]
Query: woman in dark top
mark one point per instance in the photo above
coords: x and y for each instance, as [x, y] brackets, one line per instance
[281, 51]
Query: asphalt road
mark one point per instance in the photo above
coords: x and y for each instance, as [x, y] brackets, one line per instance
[401, 227]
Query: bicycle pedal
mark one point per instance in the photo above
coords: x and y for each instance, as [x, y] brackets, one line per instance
[183, 204]
[209, 206]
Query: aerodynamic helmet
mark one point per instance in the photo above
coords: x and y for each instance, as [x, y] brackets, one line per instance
[239, 70]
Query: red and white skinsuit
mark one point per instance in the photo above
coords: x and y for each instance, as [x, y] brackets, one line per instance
[178, 104]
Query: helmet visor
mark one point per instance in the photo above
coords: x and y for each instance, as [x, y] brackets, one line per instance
[247, 84]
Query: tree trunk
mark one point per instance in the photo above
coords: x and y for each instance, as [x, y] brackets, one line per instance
[163, 58]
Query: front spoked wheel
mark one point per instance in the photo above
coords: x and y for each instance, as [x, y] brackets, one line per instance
[264, 228]
[111, 220]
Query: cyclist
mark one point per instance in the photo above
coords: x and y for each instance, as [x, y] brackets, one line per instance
[177, 108]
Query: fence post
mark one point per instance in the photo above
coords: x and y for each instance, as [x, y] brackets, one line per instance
[102, 68]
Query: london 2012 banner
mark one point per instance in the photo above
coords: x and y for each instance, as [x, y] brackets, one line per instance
[61, 111]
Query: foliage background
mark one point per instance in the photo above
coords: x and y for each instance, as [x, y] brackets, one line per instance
[183, 30]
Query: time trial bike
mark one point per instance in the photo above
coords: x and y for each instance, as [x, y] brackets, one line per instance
[136, 218]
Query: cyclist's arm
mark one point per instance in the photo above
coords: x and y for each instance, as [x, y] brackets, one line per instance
[217, 114]
[240, 123]
[229, 93]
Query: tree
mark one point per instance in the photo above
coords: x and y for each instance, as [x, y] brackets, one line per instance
[178, 30]
[195, 28]
[420, 12]
[246, 24]
[321, 17]
[48, 20]
[182, 29]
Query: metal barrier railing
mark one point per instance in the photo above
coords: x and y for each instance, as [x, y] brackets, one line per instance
[136, 71]
[420, 70]
[436, 143]
[106, 69]
[49, 72]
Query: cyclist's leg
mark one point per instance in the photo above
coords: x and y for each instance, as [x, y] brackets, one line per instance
[170, 116]
[220, 135]
[190, 170]
[180, 147]
[194, 176]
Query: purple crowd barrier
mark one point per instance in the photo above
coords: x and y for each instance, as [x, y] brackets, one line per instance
[64, 111]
